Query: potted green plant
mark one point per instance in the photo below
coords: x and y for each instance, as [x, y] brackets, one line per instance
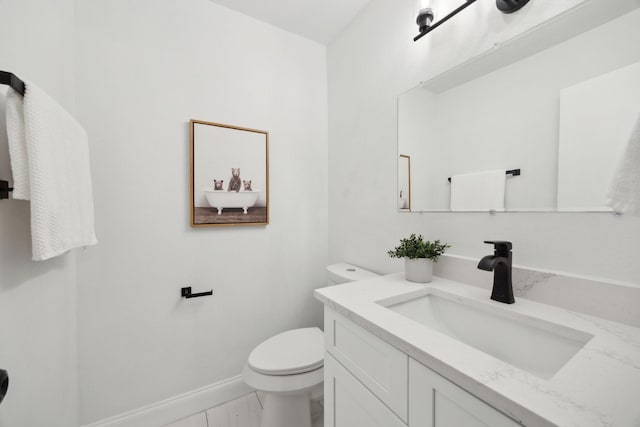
[419, 256]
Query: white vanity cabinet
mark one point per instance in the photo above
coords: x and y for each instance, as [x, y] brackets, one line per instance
[348, 403]
[370, 383]
[437, 402]
[380, 367]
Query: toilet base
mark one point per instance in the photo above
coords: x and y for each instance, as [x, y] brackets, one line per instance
[286, 410]
[287, 398]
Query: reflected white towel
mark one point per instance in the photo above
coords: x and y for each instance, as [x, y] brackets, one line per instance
[58, 174]
[624, 191]
[480, 191]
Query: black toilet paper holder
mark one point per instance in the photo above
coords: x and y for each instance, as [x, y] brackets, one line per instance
[187, 293]
[4, 384]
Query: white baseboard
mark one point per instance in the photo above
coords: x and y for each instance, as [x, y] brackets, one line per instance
[178, 407]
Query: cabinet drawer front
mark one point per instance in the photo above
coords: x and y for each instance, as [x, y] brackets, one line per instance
[349, 404]
[378, 365]
[437, 402]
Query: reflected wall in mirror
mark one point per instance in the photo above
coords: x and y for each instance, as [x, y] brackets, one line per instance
[561, 115]
[596, 118]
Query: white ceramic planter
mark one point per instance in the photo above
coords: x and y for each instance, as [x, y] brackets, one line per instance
[418, 270]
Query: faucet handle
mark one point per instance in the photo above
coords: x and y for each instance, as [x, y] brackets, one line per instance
[502, 247]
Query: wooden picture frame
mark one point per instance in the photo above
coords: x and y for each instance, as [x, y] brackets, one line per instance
[404, 182]
[229, 175]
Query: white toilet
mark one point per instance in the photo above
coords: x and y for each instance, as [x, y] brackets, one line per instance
[288, 367]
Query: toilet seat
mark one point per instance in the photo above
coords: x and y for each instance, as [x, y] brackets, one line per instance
[292, 352]
[284, 384]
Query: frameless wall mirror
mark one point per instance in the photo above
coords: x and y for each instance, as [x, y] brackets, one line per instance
[557, 104]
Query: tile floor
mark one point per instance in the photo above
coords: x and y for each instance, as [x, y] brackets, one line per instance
[243, 412]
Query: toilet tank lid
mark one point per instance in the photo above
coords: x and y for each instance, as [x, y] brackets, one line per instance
[343, 273]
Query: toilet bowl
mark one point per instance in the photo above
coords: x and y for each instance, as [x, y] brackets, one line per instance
[288, 367]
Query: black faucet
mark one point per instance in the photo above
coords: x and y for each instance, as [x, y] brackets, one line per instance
[500, 264]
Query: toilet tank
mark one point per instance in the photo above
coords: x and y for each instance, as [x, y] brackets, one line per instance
[343, 273]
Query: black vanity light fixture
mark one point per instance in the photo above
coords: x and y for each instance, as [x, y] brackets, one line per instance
[510, 6]
[424, 20]
[426, 15]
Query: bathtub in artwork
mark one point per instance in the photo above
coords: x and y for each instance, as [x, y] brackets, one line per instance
[221, 199]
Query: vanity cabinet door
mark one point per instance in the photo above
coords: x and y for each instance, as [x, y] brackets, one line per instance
[378, 365]
[437, 402]
[348, 403]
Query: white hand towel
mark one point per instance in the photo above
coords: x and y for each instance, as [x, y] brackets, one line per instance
[624, 190]
[480, 191]
[17, 145]
[59, 176]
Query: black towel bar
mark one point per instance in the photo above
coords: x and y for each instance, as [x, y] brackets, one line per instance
[514, 172]
[10, 79]
[4, 189]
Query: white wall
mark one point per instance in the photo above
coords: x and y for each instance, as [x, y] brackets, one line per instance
[144, 69]
[37, 299]
[372, 62]
[603, 109]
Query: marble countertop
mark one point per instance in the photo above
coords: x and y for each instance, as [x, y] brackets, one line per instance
[599, 386]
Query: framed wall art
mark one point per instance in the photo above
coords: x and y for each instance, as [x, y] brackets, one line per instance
[229, 175]
[404, 182]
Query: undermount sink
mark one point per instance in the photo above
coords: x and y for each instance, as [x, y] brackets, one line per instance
[534, 345]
